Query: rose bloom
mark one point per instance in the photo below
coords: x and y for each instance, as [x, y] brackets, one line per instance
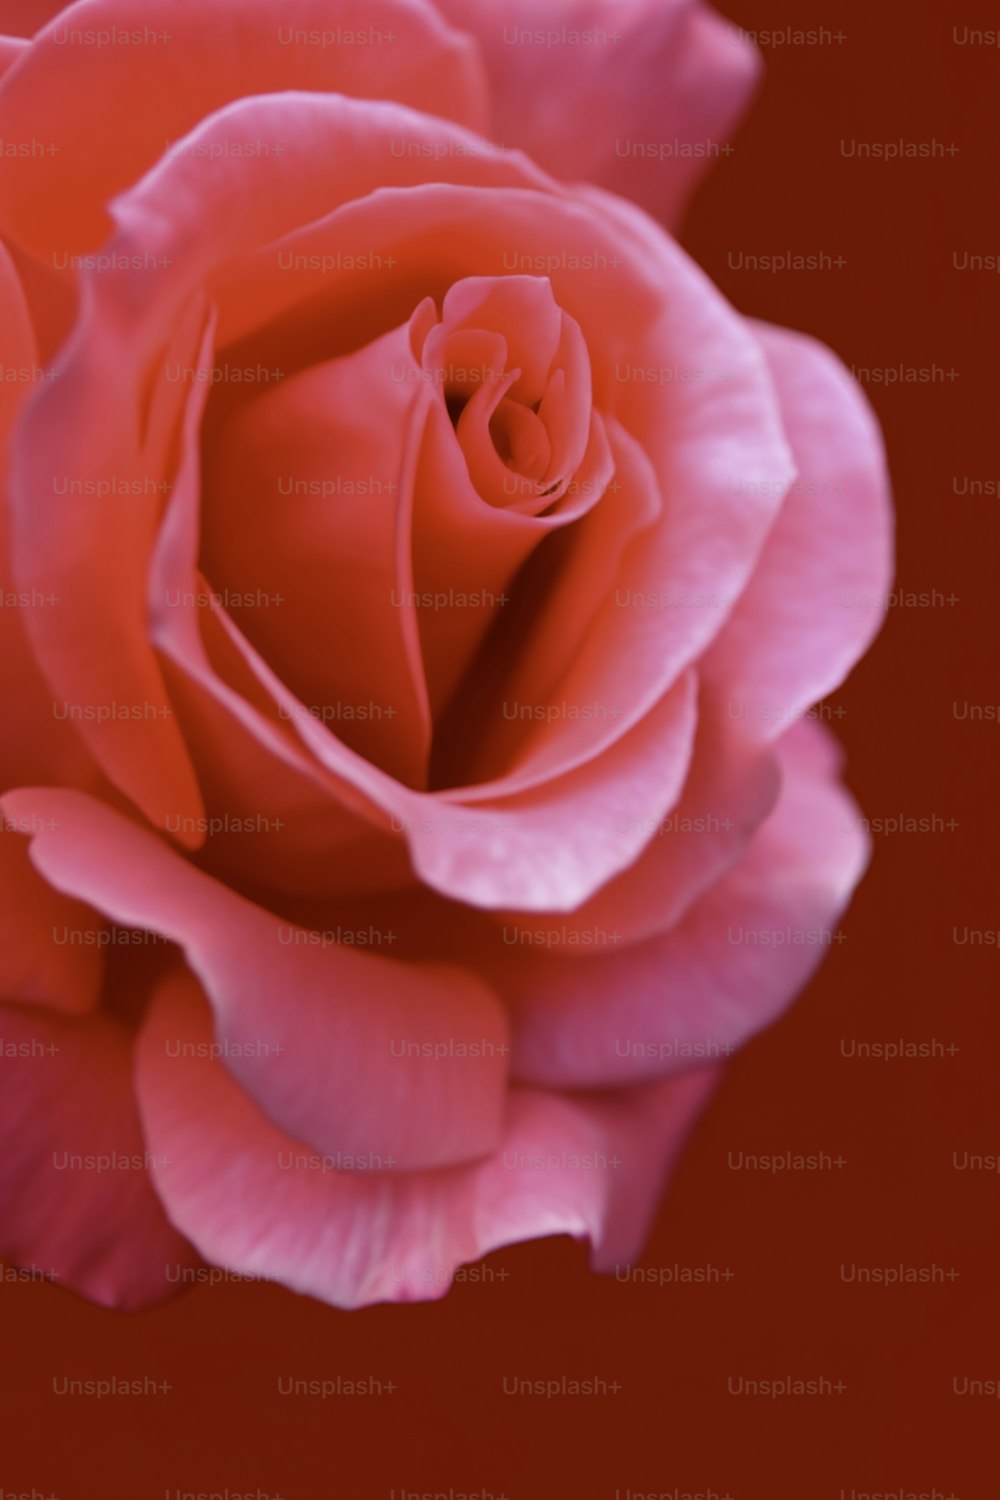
[417, 580]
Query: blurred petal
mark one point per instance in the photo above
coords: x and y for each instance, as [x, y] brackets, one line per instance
[35, 744]
[12, 49]
[25, 17]
[49, 953]
[635, 95]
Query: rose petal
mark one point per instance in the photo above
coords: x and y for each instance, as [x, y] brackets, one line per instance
[95, 426]
[466, 549]
[522, 308]
[633, 94]
[315, 1025]
[666, 307]
[181, 63]
[338, 625]
[730, 967]
[256, 773]
[514, 843]
[282, 821]
[818, 595]
[49, 953]
[17, 347]
[708, 421]
[252, 1200]
[35, 745]
[24, 17]
[52, 299]
[92, 467]
[585, 691]
[12, 49]
[731, 788]
[550, 847]
[79, 1205]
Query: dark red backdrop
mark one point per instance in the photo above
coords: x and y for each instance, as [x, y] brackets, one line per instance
[899, 1350]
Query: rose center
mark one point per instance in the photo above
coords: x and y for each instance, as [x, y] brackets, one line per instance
[515, 379]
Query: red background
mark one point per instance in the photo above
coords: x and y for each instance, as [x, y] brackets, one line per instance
[898, 1200]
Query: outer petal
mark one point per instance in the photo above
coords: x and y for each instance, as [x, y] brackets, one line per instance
[729, 968]
[78, 1204]
[635, 95]
[182, 63]
[97, 468]
[818, 595]
[349, 1051]
[589, 1167]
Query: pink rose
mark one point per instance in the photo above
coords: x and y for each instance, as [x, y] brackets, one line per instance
[417, 582]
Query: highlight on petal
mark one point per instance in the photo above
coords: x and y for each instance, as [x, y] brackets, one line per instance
[12, 49]
[252, 1199]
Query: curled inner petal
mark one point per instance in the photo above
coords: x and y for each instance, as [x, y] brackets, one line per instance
[514, 373]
